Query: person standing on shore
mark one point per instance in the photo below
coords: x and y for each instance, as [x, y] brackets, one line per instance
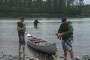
[66, 33]
[21, 32]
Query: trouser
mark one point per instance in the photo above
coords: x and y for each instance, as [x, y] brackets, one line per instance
[21, 38]
[67, 44]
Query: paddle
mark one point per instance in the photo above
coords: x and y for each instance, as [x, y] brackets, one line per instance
[56, 57]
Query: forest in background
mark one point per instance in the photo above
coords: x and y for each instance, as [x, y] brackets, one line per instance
[42, 8]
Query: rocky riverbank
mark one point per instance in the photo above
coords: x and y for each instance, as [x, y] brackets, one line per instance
[10, 57]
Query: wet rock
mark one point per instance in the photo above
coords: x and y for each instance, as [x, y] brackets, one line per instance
[15, 57]
[33, 59]
[61, 56]
[11, 58]
[88, 57]
[77, 58]
[85, 57]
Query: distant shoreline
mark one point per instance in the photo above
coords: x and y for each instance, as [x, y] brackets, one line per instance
[44, 16]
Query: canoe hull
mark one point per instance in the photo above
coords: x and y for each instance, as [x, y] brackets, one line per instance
[49, 49]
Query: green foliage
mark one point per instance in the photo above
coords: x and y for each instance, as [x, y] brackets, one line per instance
[31, 7]
[86, 10]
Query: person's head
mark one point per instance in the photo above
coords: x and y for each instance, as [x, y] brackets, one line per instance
[22, 19]
[64, 20]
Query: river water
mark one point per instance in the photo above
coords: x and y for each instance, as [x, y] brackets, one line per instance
[46, 31]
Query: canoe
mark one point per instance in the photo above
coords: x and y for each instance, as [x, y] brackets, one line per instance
[41, 45]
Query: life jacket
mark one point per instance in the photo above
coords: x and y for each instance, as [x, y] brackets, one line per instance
[64, 27]
[20, 24]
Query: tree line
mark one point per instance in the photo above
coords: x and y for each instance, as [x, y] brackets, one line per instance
[41, 7]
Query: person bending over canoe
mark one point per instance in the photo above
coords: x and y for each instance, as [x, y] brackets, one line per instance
[36, 23]
[21, 31]
[66, 32]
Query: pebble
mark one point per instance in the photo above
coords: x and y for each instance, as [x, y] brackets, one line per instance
[77, 57]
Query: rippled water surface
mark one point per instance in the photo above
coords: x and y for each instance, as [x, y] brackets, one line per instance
[46, 30]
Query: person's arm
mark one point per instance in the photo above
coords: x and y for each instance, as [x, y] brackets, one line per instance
[59, 30]
[18, 28]
[70, 31]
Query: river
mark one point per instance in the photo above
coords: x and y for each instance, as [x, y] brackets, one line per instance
[46, 31]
